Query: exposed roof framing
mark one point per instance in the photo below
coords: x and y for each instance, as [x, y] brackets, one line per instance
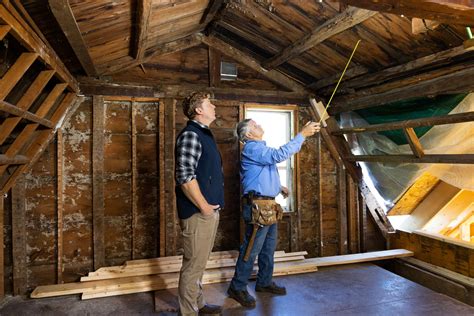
[163, 49]
[445, 11]
[347, 19]
[253, 64]
[63, 13]
[143, 25]
[211, 11]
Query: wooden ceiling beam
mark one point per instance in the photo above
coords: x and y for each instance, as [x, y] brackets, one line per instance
[4, 29]
[63, 13]
[448, 12]
[13, 110]
[16, 160]
[458, 81]
[211, 11]
[414, 142]
[15, 73]
[253, 64]
[167, 48]
[144, 8]
[447, 159]
[336, 25]
[414, 123]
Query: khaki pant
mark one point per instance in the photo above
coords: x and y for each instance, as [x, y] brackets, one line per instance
[198, 232]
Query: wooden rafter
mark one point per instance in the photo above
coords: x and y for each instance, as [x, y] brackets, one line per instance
[14, 74]
[43, 137]
[336, 25]
[253, 64]
[63, 13]
[167, 48]
[16, 160]
[445, 11]
[460, 81]
[25, 103]
[428, 121]
[33, 43]
[414, 142]
[4, 29]
[144, 8]
[211, 11]
[448, 159]
[13, 110]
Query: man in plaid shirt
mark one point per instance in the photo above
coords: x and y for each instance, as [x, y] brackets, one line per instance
[199, 197]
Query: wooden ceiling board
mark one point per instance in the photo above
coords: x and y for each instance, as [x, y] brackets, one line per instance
[177, 12]
[177, 28]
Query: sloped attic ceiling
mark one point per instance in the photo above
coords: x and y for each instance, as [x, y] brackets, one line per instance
[307, 41]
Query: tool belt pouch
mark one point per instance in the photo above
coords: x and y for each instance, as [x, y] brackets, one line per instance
[266, 212]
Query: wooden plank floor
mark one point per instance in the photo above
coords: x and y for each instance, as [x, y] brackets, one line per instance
[357, 289]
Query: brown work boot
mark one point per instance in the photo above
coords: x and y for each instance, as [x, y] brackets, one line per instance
[272, 288]
[243, 297]
[209, 309]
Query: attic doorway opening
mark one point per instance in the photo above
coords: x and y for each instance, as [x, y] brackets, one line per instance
[279, 124]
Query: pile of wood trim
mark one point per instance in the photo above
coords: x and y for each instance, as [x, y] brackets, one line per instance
[163, 273]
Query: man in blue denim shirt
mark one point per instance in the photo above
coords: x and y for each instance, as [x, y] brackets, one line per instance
[259, 174]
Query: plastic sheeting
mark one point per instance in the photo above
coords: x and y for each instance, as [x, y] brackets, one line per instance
[392, 179]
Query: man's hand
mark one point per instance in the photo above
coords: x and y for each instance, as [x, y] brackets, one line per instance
[209, 209]
[285, 192]
[310, 129]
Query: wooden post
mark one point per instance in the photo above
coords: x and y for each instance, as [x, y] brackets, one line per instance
[19, 237]
[161, 163]
[342, 209]
[170, 199]
[60, 189]
[319, 209]
[98, 114]
[214, 67]
[134, 223]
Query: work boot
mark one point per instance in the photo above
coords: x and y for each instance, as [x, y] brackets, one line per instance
[209, 309]
[272, 288]
[243, 297]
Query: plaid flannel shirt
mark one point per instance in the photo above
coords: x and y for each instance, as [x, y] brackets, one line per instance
[188, 152]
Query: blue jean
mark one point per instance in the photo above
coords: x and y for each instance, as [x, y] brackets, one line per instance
[264, 246]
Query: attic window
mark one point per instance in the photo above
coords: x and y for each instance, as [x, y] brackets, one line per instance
[228, 71]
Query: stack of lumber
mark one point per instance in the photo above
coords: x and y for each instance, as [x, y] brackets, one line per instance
[163, 273]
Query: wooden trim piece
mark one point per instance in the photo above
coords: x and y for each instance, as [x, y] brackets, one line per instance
[14, 74]
[445, 239]
[334, 26]
[25, 103]
[253, 64]
[16, 160]
[353, 225]
[427, 121]
[31, 41]
[13, 110]
[60, 205]
[2, 252]
[342, 216]
[161, 160]
[414, 142]
[360, 257]
[362, 208]
[4, 29]
[19, 238]
[163, 49]
[319, 207]
[63, 13]
[144, 9]
[98, 110]
[449, 159]
[449, 12]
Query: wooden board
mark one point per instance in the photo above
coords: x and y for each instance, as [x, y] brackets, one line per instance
[360, 257]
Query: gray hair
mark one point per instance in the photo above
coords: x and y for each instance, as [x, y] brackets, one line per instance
[242, 129]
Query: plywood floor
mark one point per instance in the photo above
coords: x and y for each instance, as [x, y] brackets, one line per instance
[358, 289]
